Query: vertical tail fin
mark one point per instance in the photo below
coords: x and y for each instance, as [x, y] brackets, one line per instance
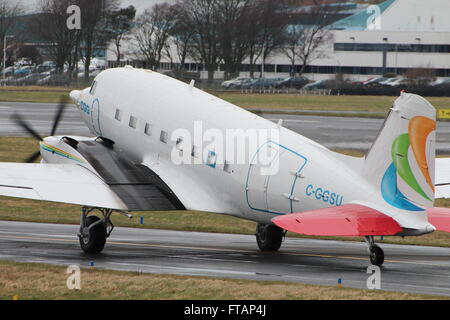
[402, 160]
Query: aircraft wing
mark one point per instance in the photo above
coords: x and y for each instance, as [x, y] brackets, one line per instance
[442, 180]
[65, 183]
[348, 220]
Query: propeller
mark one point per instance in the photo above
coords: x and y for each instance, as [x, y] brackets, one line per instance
[21, 122]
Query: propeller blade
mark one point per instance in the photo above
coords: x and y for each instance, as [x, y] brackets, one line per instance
[33, 157]
[22, 123]
[61, 108]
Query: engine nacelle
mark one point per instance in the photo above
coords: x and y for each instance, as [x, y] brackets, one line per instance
[63, 150]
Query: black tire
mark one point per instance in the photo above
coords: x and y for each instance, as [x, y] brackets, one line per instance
[95, 241]
[268, 237]
[376, 255]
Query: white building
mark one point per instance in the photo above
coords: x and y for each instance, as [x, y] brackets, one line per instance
[394, 36]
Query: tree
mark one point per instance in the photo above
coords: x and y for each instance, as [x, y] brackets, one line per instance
[233, 22]
[29, 52]
[201, 17]
[119, 23]
[265, 33]
[94, 33]
[303, 41]
[181, 35]
[9, 10]
[51, 27]
[152, 32]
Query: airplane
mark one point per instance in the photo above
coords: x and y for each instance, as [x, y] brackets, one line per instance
[148, 153]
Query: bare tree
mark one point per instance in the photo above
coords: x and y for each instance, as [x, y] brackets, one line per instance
[265, 33]
[201, 16]
[233, 22]
[9, 10]
[119, 23]
[304, 41]
[51, 27]
[94, 33]
[152, 32]
[181, 35]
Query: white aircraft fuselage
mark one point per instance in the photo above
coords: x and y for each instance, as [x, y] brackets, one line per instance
[141, 111]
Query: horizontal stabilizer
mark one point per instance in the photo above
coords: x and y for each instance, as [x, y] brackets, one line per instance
[440, 218]
[442, 178]
[348, 220]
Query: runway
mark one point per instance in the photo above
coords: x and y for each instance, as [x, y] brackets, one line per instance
[332, 132]
[412, 269]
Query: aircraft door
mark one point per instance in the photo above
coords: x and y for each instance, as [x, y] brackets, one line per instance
[280, 192]
[95, 117]
[257, 180]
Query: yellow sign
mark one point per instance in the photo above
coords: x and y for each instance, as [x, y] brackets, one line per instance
[444, 113]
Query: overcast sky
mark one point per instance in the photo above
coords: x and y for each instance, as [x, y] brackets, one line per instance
[140, 5]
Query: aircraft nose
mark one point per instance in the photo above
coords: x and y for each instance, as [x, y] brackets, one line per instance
[75, 95]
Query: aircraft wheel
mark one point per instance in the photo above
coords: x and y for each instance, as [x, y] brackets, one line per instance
[268, 237]
[93, 240]
[376, 255]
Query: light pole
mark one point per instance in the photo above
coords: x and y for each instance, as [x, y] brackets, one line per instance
[385, 50]
[4, 54]
[354, 68]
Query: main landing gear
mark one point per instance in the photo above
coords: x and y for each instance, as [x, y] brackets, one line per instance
[269, 237]
[94, 230]
[376, 253]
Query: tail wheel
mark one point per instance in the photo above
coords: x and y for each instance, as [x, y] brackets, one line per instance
[92, 240]
[268, 237]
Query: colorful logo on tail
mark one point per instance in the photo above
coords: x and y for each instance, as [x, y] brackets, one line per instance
[418, 131]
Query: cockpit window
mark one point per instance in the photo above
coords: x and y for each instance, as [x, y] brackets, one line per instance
[93, 87]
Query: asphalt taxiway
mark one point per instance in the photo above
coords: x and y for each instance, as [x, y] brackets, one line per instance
[332, 132]
[414, 269]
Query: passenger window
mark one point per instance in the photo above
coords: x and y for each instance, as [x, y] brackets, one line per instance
[164, 136]
[227, 167]
[148, 129]
[194, 152]
[178, 144]
[133, 122]
[118, 115]
[212, 159]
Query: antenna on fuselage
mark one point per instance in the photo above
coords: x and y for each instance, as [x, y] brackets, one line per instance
[280, 123]
[191, 84]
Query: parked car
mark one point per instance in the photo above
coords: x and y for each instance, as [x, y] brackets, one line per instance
[30, 79]
[395, 82]
[236, 83]
[43, 68]
[23, 71]
[293, 82]
[264, 83]
[441, 83]
[51, 64]
[8, 72]
[54, 80]
[373, 82]
[388, 81]
[319, 84]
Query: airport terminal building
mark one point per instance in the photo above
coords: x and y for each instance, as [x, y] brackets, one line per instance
[392, 37]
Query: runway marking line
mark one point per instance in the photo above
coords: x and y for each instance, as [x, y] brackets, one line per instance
[210, 249]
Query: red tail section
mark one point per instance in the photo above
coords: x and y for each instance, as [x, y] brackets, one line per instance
[348, 220]
[440, 218]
